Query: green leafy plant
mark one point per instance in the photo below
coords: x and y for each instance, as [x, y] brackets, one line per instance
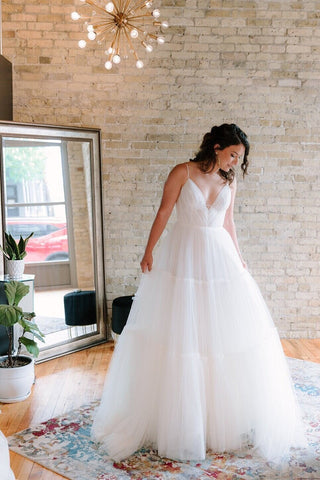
[12, 314]
[13, 250]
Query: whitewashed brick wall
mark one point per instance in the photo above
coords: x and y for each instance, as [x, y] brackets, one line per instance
[256, 63]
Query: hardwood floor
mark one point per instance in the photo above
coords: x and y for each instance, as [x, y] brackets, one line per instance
[61, 385]
[68, 382]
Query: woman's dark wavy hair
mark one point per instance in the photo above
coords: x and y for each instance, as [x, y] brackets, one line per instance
[225, 135]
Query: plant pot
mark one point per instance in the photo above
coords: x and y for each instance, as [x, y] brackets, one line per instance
[16, 382]
[15, 269]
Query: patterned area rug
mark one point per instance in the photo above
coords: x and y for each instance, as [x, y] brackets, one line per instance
[63, 445]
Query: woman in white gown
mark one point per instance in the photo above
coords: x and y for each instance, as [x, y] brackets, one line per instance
[199, 364]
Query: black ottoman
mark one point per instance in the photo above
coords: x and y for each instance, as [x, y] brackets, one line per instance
[120, 311]
[80, 307]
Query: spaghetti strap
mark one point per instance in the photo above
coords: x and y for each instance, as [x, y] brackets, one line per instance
[187, 170]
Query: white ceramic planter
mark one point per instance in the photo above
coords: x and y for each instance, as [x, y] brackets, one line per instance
[16, 383]
[15, 269]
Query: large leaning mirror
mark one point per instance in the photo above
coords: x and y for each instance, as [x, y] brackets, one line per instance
[51, 185]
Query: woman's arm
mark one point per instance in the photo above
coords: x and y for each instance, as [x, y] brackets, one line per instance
[171, 192]
[229, 222]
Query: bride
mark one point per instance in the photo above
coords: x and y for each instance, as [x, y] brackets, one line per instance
[199, 364]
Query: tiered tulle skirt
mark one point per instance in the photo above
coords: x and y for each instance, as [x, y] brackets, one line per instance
[199, 365]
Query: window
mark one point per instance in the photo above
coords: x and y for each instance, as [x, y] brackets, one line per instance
[35, 197]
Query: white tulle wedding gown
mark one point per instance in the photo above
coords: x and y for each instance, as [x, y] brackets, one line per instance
[199, 364]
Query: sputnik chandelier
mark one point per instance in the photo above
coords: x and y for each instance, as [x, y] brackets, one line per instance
[123, 26]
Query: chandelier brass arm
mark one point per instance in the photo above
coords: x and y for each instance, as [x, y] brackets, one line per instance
[119, 24]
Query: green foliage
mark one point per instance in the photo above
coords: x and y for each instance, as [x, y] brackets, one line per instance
[13, 250]
[12, 314]
[31, 346]
[9, 315]
[15, 291]
[24, 162]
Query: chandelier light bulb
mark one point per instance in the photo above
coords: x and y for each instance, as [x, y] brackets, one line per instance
[110, 7]
[134, 33]
[122, 28]
[75, 16]
[116, 58]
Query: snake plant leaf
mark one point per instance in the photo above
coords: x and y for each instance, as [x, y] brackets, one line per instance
[22, 245]
[15, 291]
[13, 250]
[9, 253]
[6, 254]
[12, 246]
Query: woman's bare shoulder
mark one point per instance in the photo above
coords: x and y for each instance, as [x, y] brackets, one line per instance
[233, 184]
[179, 172]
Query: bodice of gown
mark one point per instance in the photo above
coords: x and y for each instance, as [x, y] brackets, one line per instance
[193, 211]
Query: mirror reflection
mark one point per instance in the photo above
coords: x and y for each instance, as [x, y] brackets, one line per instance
[48, 188]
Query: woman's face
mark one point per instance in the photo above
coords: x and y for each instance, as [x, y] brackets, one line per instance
[229, 156]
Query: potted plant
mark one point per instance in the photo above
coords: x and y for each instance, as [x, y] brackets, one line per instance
[14, 253]
[16, 370]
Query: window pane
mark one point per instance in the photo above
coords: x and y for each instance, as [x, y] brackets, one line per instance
[33, 174]
[34, 198]
[50, 239]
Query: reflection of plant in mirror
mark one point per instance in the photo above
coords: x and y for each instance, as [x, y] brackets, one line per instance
[12, 314]
[13, 250]
[24, 162]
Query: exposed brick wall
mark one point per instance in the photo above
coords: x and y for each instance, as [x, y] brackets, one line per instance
[78, 155]
[256, 63]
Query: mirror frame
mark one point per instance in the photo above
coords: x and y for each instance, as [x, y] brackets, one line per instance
[93, 136]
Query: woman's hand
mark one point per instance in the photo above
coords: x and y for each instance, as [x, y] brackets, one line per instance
[146, 262]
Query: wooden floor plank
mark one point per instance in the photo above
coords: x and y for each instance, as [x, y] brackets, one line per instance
[312, 347]
[66, 383]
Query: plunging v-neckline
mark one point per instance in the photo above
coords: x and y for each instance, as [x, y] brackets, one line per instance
[203, 197]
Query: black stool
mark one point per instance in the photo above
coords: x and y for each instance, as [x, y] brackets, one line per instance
[120, 311]
[80, 307]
